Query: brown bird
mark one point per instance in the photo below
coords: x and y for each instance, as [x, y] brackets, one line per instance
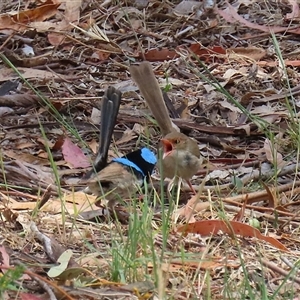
[181, 155]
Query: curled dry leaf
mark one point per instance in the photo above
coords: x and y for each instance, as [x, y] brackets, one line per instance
[273, 156]
[188, 211]
[186, 8]
[253, 53]
[22, 19]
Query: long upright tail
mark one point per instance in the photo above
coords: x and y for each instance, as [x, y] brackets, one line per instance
[144, 77]
[109, 112]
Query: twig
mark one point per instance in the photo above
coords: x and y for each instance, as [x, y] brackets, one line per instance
[275, 268]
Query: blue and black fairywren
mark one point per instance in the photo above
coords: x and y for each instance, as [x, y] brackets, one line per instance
[122, 177]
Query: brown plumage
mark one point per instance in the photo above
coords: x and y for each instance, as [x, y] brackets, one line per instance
[181, 155]
[145, 79]
[114, 183]
[123, 176]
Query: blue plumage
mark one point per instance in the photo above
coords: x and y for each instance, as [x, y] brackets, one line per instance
[148, 156]
[142, 160]
[126, 162]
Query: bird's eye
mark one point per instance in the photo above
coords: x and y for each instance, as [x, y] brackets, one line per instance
[176, 141]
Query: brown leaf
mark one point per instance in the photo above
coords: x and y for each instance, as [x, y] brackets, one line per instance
[27, 157]
[254, 53]
[205, 52]
[231, 16]
[56, 38]
[293, 63]
[9, 74]
[160, 55]
[271, 197]
[4, 258]
[168, 54]
[208, 227]
[27, 296]
[22, 19]
[295, 10]
[240, 215]
[72, 11]
[273, 156]
[74, 155]
[205, 264]
[20, 100]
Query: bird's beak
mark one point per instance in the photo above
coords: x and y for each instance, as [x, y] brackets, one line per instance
[168, 147]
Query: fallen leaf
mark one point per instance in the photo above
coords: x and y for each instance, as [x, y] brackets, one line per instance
[253, 53]
[192, 207]
[273, 156]
[230, 15]
[27, 296]
[294, 63]
[4, 259]
[197, 49]
[27, 157]
[185, 8]
[159, 55]
[63, 262]
[93, 144]
[9, 74]
[208, 227]
[5, 111]
[295, 10]
[21, 20]
[74, 155]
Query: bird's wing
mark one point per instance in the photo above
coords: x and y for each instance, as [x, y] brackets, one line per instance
[113, 173]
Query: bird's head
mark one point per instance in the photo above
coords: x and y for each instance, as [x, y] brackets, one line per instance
[174, 141]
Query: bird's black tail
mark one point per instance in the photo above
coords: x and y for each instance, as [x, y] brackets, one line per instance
[109, 111]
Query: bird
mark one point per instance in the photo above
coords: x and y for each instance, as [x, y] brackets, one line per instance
[123, 176]
[180, 153]
[181, 157]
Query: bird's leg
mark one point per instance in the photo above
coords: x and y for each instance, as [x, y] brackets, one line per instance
[175, 181]
[191, 187]
[170, 187]
[141, 197]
